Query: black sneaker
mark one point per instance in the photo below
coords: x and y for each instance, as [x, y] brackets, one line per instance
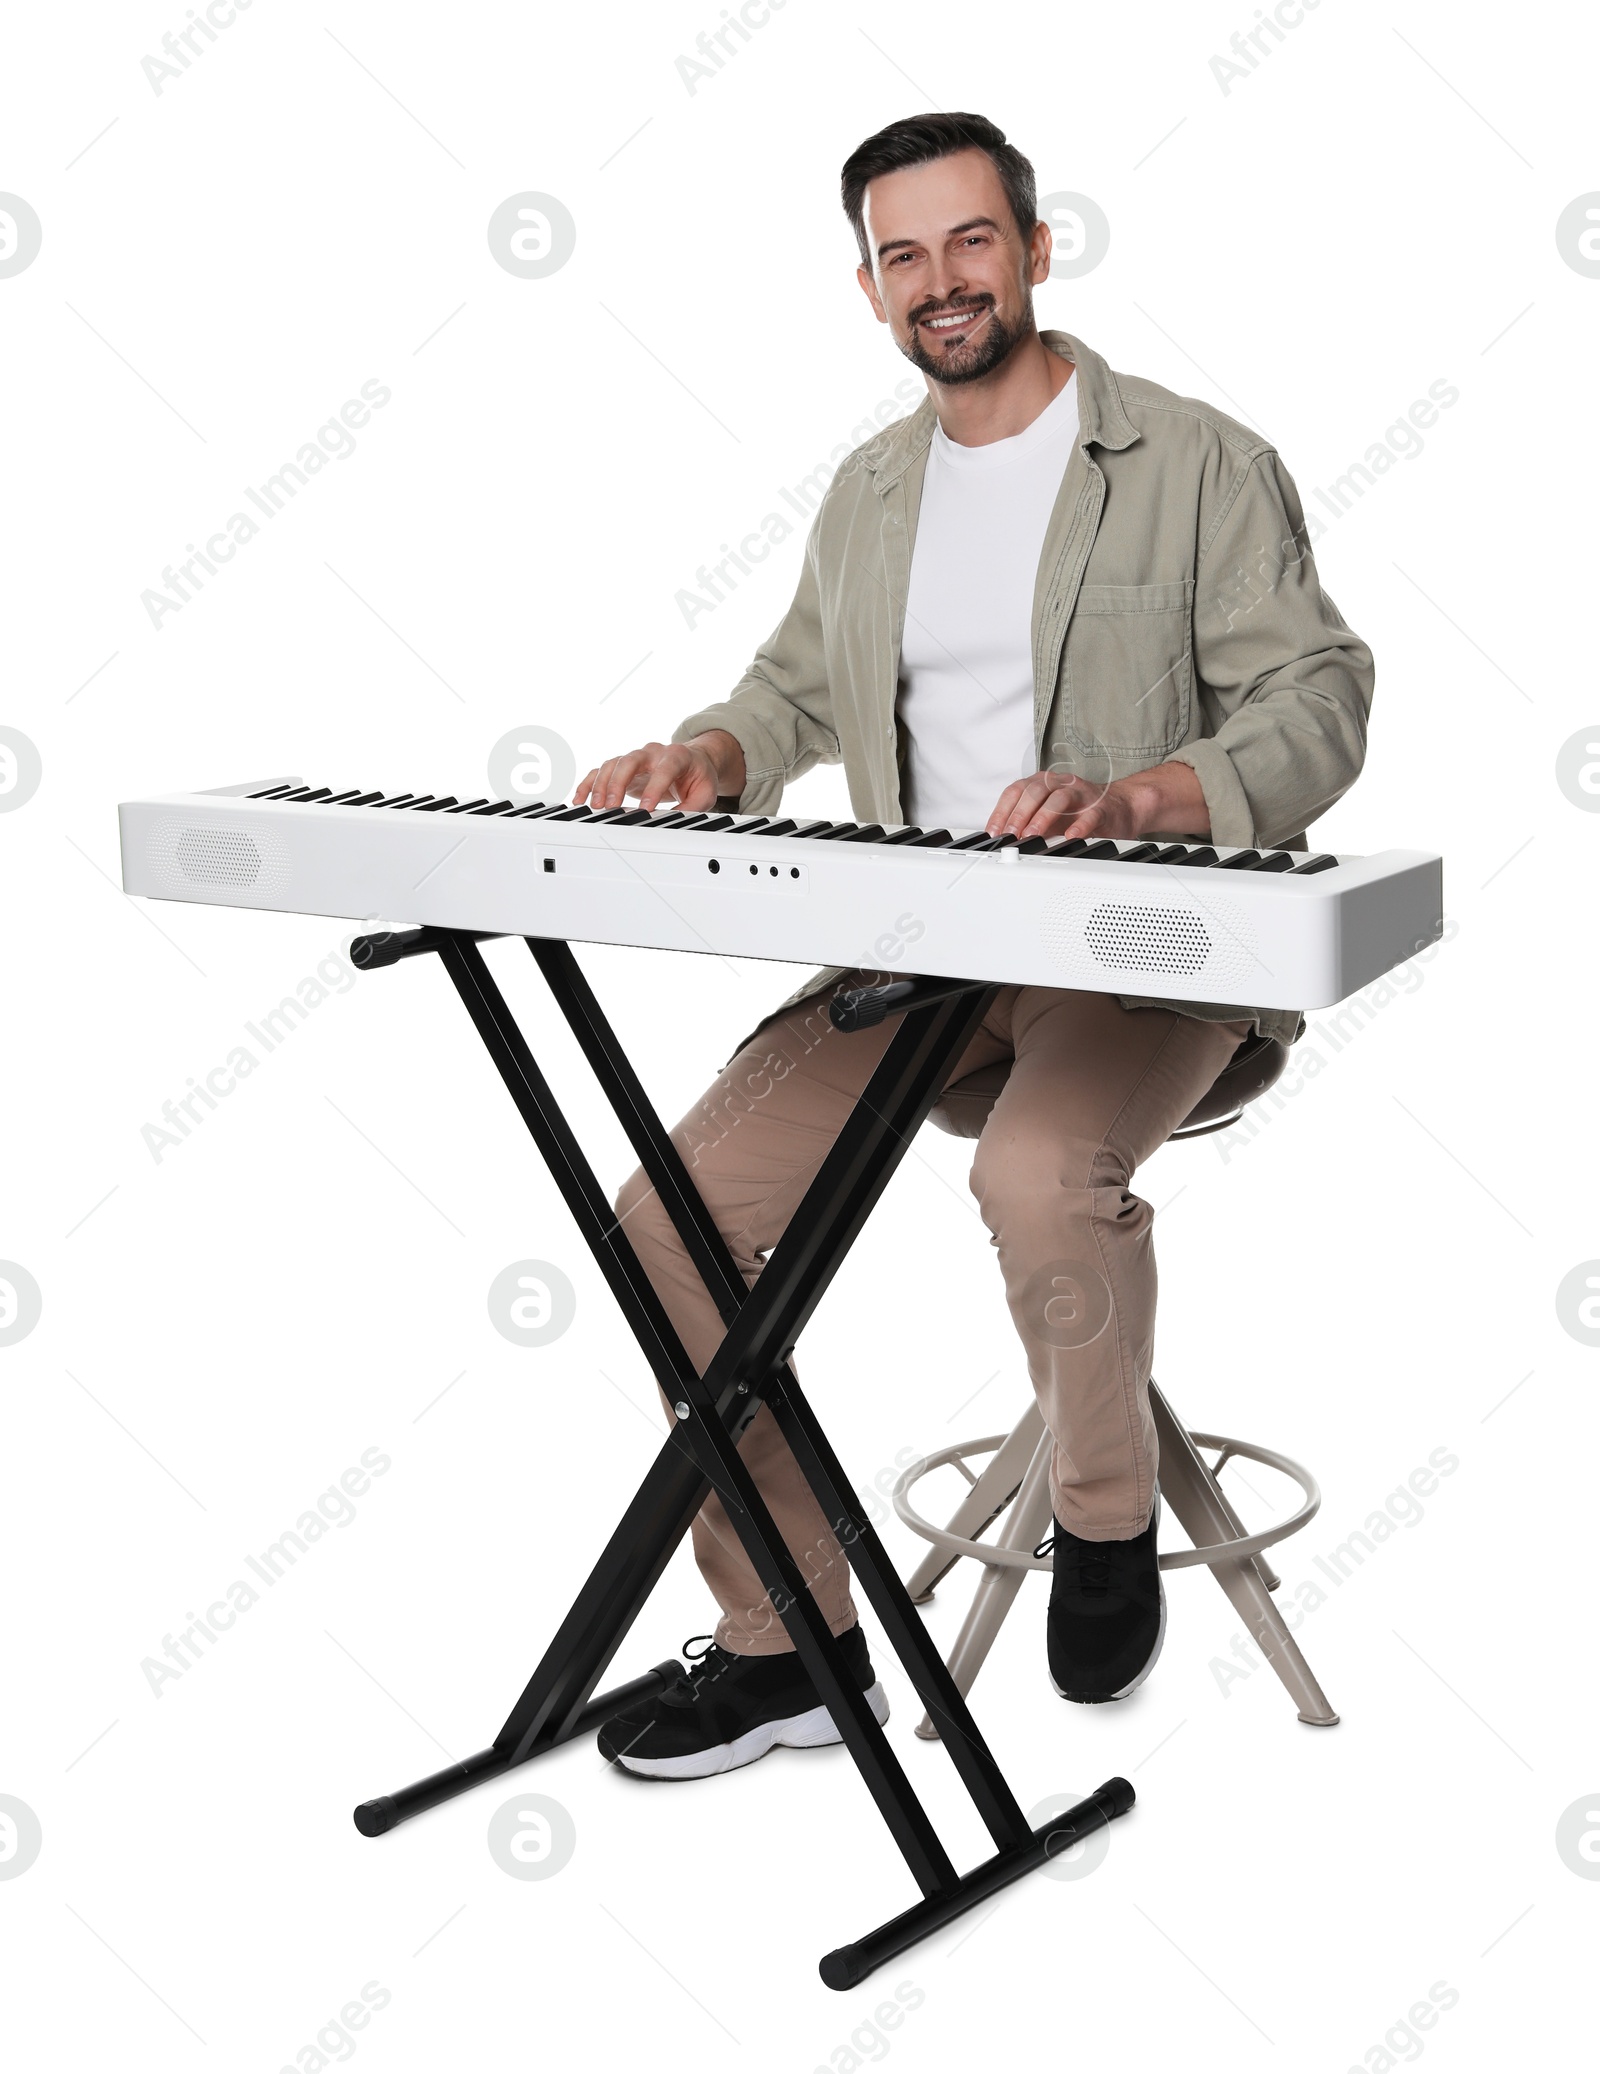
[729, 1710]
[1108, 1614]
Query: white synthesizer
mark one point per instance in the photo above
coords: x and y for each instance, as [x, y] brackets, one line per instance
[1187, 921]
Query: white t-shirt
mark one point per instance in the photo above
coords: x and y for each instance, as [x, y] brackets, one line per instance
[966, 656]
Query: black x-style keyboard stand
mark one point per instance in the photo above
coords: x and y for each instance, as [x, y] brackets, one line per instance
[751, 1367]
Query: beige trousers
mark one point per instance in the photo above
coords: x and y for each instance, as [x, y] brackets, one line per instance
[1093, 1089]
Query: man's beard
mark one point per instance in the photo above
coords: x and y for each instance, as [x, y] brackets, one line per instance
[969, 362]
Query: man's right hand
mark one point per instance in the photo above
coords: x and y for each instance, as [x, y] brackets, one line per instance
[696, 774]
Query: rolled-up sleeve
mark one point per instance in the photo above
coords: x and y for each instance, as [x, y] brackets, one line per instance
[779, 712]
[1284, 685]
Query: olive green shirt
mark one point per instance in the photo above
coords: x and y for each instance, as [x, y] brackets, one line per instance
[1177, 617]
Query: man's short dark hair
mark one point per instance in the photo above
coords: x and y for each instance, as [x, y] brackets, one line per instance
[917, 140]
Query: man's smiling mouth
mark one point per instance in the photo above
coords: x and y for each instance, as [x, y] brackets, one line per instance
[956, 320]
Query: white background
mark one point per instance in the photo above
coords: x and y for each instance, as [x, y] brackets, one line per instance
[1370, 1279]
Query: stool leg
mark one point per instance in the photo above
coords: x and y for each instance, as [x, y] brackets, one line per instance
[1191, 1490]
[997, 1587]
[984, 1503]
[1269, 1576]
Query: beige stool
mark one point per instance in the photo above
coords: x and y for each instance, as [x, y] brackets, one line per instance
[1014, 1488]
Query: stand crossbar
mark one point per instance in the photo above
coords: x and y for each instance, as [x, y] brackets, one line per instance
[750, 1367]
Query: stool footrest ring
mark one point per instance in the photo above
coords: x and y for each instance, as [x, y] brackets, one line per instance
[1238, 1549]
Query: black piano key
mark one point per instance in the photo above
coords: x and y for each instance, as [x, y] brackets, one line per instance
[686, 820]
[1241, 860]
[322, 792]
[633, 818]
[872, 833]
[932, 839]
[607, 814]
[997, 842]
[467, 806]
[272, 792]
[1141, 853]
[495, 806]
[367, 799]
[751, 827]
[1279, 860]
[1102, 849]
[1202, 855]
[1170, 853]
[299, 792]
[775, 828]
[972, 842]
[814, 831]
[717, 821]
[1321, 862]
[1032, 846]
[1073, 847]
[437, 806]
[538, 813]
[903, 835]
[836, 831]
[572, 814]
[340, 799]
[407, 799]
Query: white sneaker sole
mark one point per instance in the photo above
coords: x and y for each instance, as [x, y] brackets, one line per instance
[808, 1731]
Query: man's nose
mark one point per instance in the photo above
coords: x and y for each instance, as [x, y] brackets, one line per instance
[948, 283]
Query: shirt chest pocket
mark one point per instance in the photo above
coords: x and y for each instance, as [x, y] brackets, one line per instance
[1127, 671]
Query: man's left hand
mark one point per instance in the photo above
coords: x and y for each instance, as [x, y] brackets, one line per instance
[1166, 797]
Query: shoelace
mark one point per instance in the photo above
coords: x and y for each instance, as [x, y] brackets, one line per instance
[704, 1665]
[1087, 1569]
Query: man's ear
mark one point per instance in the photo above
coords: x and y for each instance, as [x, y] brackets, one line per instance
[869, 288]
[1040, 247]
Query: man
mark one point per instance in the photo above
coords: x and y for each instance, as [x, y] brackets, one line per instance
[1056, 601]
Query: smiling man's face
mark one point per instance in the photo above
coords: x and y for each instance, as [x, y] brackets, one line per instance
[952, 276]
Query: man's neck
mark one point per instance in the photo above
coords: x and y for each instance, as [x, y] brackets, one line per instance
[1006, 402]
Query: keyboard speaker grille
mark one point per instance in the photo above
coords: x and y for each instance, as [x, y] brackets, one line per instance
[187, 858]
[1151, 939]
[1087, 937]
[218, 857]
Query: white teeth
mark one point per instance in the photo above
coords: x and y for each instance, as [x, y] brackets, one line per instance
[945, 323]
